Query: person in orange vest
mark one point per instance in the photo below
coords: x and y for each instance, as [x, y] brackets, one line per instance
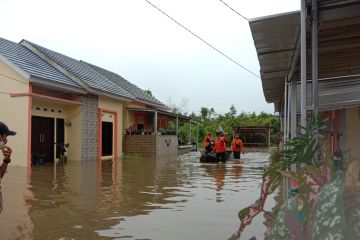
[220, 147]
[237, 146]
[208, 142]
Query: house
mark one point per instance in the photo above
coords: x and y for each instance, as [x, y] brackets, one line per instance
[51, 99]
[310, 63]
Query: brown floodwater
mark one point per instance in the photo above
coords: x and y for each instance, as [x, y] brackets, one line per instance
[167, 198]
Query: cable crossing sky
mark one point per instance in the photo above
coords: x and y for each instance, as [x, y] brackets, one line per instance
[201, 39]
[234, 10]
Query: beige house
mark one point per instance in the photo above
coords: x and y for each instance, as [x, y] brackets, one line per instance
[310, 63]
[51, 99]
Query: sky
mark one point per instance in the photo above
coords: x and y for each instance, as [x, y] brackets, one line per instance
[136, 41]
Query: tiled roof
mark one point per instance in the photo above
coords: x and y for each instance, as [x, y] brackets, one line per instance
[31, 63]
[131, 88]
[83, 72]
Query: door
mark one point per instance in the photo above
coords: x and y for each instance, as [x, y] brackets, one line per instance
[107, 139]
[42, 140]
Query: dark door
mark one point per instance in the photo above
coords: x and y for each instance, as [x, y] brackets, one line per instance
[107, 139]
[60, 135]
[42, 139]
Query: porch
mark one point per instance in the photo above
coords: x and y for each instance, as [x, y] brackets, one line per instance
[145, 138]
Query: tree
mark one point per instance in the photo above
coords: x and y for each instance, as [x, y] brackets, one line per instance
[178, 108]
[233, 111]
[148, 92]
[204, 113]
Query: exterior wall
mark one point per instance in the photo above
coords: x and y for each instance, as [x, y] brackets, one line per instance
[89, 128]
[131, 115]
[116, 106]
[163, 122]
[184, 149]
[144, 145]
[353, 131]
[151, 145]
[70, 113]
[146, 118]
[73, 132]
[14, 111]
[166, 145]
[49, 106]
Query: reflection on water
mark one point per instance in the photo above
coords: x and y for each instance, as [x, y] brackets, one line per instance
[167, 198]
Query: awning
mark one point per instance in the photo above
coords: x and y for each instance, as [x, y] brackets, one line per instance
[276, 42]
[275, 38]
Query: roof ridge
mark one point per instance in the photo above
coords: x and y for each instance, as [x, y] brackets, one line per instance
[112, 73]
[29, 45]
[36, 68]
[150, 99]
[93, 81]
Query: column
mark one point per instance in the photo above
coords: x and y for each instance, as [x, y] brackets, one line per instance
[155, 122]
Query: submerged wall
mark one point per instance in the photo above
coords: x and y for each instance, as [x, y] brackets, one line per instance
[151, 145]
[144, 145]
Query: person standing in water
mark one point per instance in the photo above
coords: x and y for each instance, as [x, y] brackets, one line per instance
[208, 142]
[220, 147]
[237, 146]
[6, 151]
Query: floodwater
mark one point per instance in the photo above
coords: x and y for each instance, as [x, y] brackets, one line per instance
[167, 198]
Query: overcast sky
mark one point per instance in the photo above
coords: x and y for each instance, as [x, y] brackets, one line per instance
[135, 40]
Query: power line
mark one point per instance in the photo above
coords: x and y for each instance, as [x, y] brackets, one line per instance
[201, 39]
[234, 10]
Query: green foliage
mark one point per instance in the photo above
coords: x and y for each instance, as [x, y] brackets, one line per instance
[209, 121]
[302, 149]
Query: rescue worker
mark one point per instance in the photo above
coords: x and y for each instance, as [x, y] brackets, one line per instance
[208, 142]
[220, 147]
[237, 146]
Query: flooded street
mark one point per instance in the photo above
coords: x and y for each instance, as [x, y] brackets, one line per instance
[166, 199]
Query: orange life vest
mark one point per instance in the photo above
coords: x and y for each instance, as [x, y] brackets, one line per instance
[220, 145]
[207, 140]
[237, 145]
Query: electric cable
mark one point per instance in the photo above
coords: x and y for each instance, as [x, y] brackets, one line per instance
[201, 39]
[234, 10]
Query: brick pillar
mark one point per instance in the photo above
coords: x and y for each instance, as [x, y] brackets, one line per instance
[89, 128]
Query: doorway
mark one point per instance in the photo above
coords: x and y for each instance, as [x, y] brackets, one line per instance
[42, 140]
[107, 139]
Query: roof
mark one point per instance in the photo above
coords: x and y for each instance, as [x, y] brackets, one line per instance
[131, 88]
[32, 64]
[277, 45]
[83, 72]
[275, 38]
[167, 113]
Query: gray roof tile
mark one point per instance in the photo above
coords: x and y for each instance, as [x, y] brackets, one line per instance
[131, 88]
[83, 72]
[32, 64]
